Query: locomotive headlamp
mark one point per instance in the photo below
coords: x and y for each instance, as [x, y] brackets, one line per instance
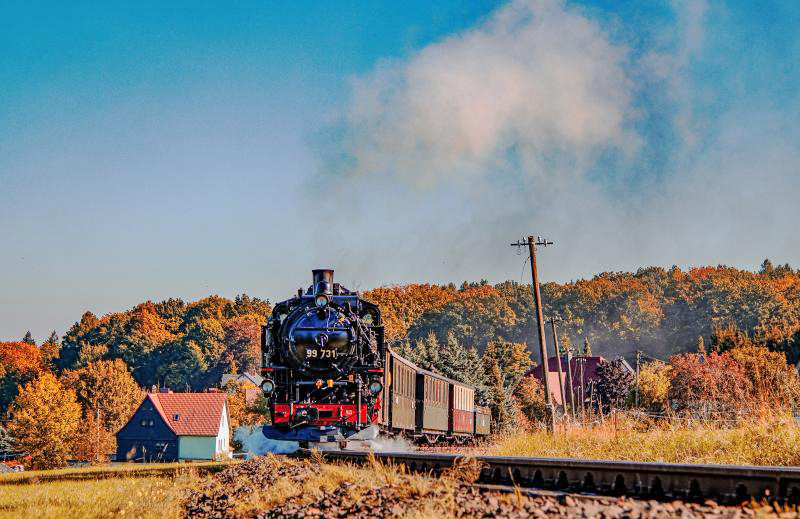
[375, 387]
[321, 301]
[318, 383]
[268, 386]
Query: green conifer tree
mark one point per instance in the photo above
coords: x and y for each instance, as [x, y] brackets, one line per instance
[498, 401]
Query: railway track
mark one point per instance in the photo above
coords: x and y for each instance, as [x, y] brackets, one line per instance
[662, 481]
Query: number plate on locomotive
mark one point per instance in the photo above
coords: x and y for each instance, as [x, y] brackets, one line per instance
[321, 353]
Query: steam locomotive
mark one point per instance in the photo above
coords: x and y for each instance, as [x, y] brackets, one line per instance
[330, 377]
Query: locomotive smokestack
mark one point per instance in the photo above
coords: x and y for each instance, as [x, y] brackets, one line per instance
[323, 281]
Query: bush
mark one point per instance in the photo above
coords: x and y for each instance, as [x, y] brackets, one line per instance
[529, 395]
[654, 380]
[709, 386]
[773, 383]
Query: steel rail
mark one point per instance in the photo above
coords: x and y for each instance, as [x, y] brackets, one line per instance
[722, 483]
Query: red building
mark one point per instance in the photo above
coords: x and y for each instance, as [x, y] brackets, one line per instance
[584, 374]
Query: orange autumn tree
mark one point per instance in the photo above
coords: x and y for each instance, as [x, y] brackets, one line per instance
[243, 343]
[108, 395]
[107, 391]
[93, 443]
[44, 422]
[20, 362]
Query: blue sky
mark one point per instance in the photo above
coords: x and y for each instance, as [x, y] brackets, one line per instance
[149, 152]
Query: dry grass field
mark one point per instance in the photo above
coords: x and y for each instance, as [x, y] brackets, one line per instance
[125, 496]
[294, 487]
[129, 490]
[774, 441]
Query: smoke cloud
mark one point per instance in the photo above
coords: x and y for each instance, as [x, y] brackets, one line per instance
[545, 119]
[537, 88]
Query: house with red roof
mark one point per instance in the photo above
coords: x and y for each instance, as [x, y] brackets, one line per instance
[176, 426]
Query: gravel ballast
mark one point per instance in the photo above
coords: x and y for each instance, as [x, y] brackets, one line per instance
[231, 494]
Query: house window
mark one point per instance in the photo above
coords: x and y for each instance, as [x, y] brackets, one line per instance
[151, 423]
[144, 423]
[176, 417]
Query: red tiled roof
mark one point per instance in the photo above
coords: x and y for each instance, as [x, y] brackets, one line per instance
[199, 414]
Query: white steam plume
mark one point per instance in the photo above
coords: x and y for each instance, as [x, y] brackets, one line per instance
[541, 119]
[254, 443]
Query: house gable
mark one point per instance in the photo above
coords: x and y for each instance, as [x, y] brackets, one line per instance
[146, 422]
[146, 436]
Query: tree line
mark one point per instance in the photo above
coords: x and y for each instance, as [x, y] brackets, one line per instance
[661, 311]
[476, 333]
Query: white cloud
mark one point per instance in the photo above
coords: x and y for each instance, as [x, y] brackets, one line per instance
[537, 85]
[517, 126]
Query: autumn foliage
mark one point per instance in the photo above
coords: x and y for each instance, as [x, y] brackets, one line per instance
[19, 357]
[653, 309]
[185, 346]
[401, 306]
[20, 362]
[45, 421]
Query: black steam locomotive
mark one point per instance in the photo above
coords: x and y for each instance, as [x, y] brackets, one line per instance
[323, 359]
[330, 377]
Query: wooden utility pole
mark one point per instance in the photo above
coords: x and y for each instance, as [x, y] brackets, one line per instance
[583, 391]
[638, 357]
[553, 321]
[569, 382]
[531, 243]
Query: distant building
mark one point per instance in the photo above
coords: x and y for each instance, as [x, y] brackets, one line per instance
[242, 378]
[580, 364]
[176, 426]
[250, 382]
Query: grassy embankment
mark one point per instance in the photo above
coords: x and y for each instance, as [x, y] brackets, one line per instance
[773, 441]
[129, 490]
